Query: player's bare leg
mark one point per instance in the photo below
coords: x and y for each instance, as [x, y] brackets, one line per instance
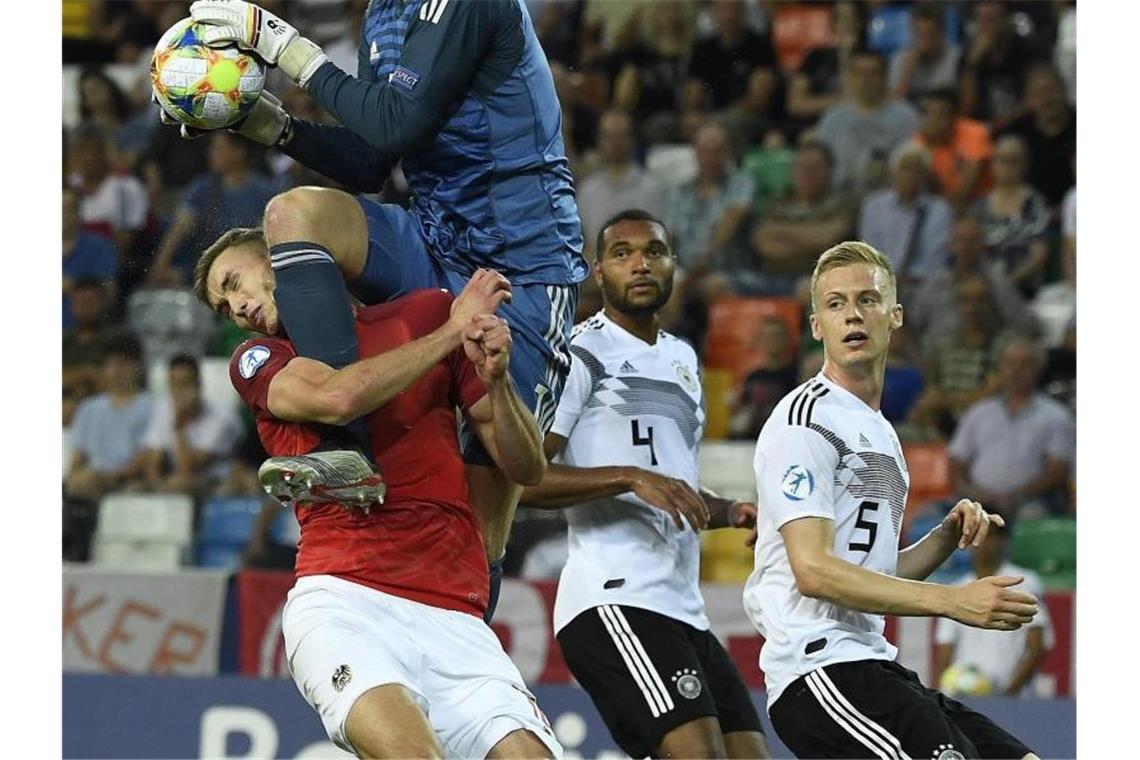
[494, 498]
[519, 744]
[387, 722]
[304, 224]
[746, 744]
[321, 215]
[700, 738]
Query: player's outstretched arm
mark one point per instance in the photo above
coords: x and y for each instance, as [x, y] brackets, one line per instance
[306, 390]
[819, 574]
[967, 524]
[564, 486]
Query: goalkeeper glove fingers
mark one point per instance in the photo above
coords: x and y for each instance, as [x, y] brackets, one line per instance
[250, 27]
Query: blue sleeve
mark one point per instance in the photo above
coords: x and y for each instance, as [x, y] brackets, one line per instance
[442, 55]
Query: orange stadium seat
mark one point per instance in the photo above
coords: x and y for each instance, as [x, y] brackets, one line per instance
[733, 329]
[796, 29]
[719, 397]
[929, 465]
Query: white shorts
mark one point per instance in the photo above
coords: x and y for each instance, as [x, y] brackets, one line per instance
[343, 638]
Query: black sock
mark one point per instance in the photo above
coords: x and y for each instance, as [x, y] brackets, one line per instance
[314, 308]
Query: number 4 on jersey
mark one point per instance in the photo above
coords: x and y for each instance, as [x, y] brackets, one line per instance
[638, 440]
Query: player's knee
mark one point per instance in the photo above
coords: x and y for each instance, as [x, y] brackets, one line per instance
[697, 738]
[297, 214]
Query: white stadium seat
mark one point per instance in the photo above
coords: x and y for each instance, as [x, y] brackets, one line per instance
[726, 468]
[672, 164]
[144, 530]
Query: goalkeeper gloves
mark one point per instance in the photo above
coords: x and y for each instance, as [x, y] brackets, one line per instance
[266, 123]
[252, 28]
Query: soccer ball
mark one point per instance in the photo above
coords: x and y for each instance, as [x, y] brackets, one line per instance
[964, 681]
[204, 87]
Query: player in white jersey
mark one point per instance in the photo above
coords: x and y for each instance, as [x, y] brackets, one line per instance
[832, 486]
[629, 614]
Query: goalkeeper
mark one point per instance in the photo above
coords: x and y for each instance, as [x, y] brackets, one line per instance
[461, 92]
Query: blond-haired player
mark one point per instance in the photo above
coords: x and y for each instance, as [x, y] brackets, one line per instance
[832, 486]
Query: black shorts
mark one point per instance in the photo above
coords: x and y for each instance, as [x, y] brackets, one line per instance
[648, 674]
[879, 709]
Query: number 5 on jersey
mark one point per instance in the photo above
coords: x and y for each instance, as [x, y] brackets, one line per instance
[647, 440]
[861, 522]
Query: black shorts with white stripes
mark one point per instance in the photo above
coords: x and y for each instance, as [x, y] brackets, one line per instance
[648, 674]
[879, 709]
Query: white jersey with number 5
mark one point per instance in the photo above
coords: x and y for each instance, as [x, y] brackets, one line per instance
[823, 453]
[627, 402]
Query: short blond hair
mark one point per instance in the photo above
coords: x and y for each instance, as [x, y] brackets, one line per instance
[847, 253]
[230, 239]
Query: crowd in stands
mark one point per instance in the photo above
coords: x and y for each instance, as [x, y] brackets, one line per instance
[761, 132]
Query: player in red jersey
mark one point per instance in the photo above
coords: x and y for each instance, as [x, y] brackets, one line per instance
[383, 626]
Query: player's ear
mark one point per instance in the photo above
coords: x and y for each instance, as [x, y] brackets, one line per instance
[815, 332]
[896, 316]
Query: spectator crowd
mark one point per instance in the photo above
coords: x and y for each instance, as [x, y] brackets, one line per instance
[762, 132]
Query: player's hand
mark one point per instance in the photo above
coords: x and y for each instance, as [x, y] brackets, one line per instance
[264, 124]
[481, 295]
[673, 496]
[487, 343]
[251, 27]
[970, 523]
[992, 603]
[742, 514]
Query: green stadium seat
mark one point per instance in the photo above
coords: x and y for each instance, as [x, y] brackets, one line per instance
[1048, 546]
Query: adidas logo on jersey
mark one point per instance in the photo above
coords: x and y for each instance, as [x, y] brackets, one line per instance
[627, 367]
[863, 441]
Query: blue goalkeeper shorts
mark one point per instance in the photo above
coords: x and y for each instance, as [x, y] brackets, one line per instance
[540, 315]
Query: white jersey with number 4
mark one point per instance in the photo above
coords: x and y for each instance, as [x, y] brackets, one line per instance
[627, 402]
[823, 453]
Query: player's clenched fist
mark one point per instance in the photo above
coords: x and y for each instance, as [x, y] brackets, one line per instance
[992, 603]
[251, 27]
[487, 343]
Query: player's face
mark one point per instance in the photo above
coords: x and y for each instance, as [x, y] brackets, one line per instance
[855, 313]
[635, 269]
[240, 287]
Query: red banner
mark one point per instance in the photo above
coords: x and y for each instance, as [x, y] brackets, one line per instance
[523, 624]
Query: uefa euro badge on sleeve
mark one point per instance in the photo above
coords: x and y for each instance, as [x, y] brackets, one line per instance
[251, 361]
[798, 483]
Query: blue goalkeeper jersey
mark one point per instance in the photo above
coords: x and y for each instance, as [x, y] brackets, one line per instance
[461, 91]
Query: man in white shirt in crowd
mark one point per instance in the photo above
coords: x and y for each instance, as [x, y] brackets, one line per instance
[832, 485]
[1007, 660]
[190, 442]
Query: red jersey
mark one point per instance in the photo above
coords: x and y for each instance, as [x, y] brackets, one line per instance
[424, 543]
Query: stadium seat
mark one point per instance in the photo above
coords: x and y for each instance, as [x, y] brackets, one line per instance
[724, 557]
[796, 29]
[672, 164]
[929, 466]
[719, 399]
[225, 530]
[771, 172]
[169, 322]
[726, 468]
[1048, 546]
[889, 29]
[733, 330]
[143, 531]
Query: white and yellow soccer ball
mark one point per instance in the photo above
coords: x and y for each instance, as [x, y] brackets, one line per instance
[204, 87]
[964, 681]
